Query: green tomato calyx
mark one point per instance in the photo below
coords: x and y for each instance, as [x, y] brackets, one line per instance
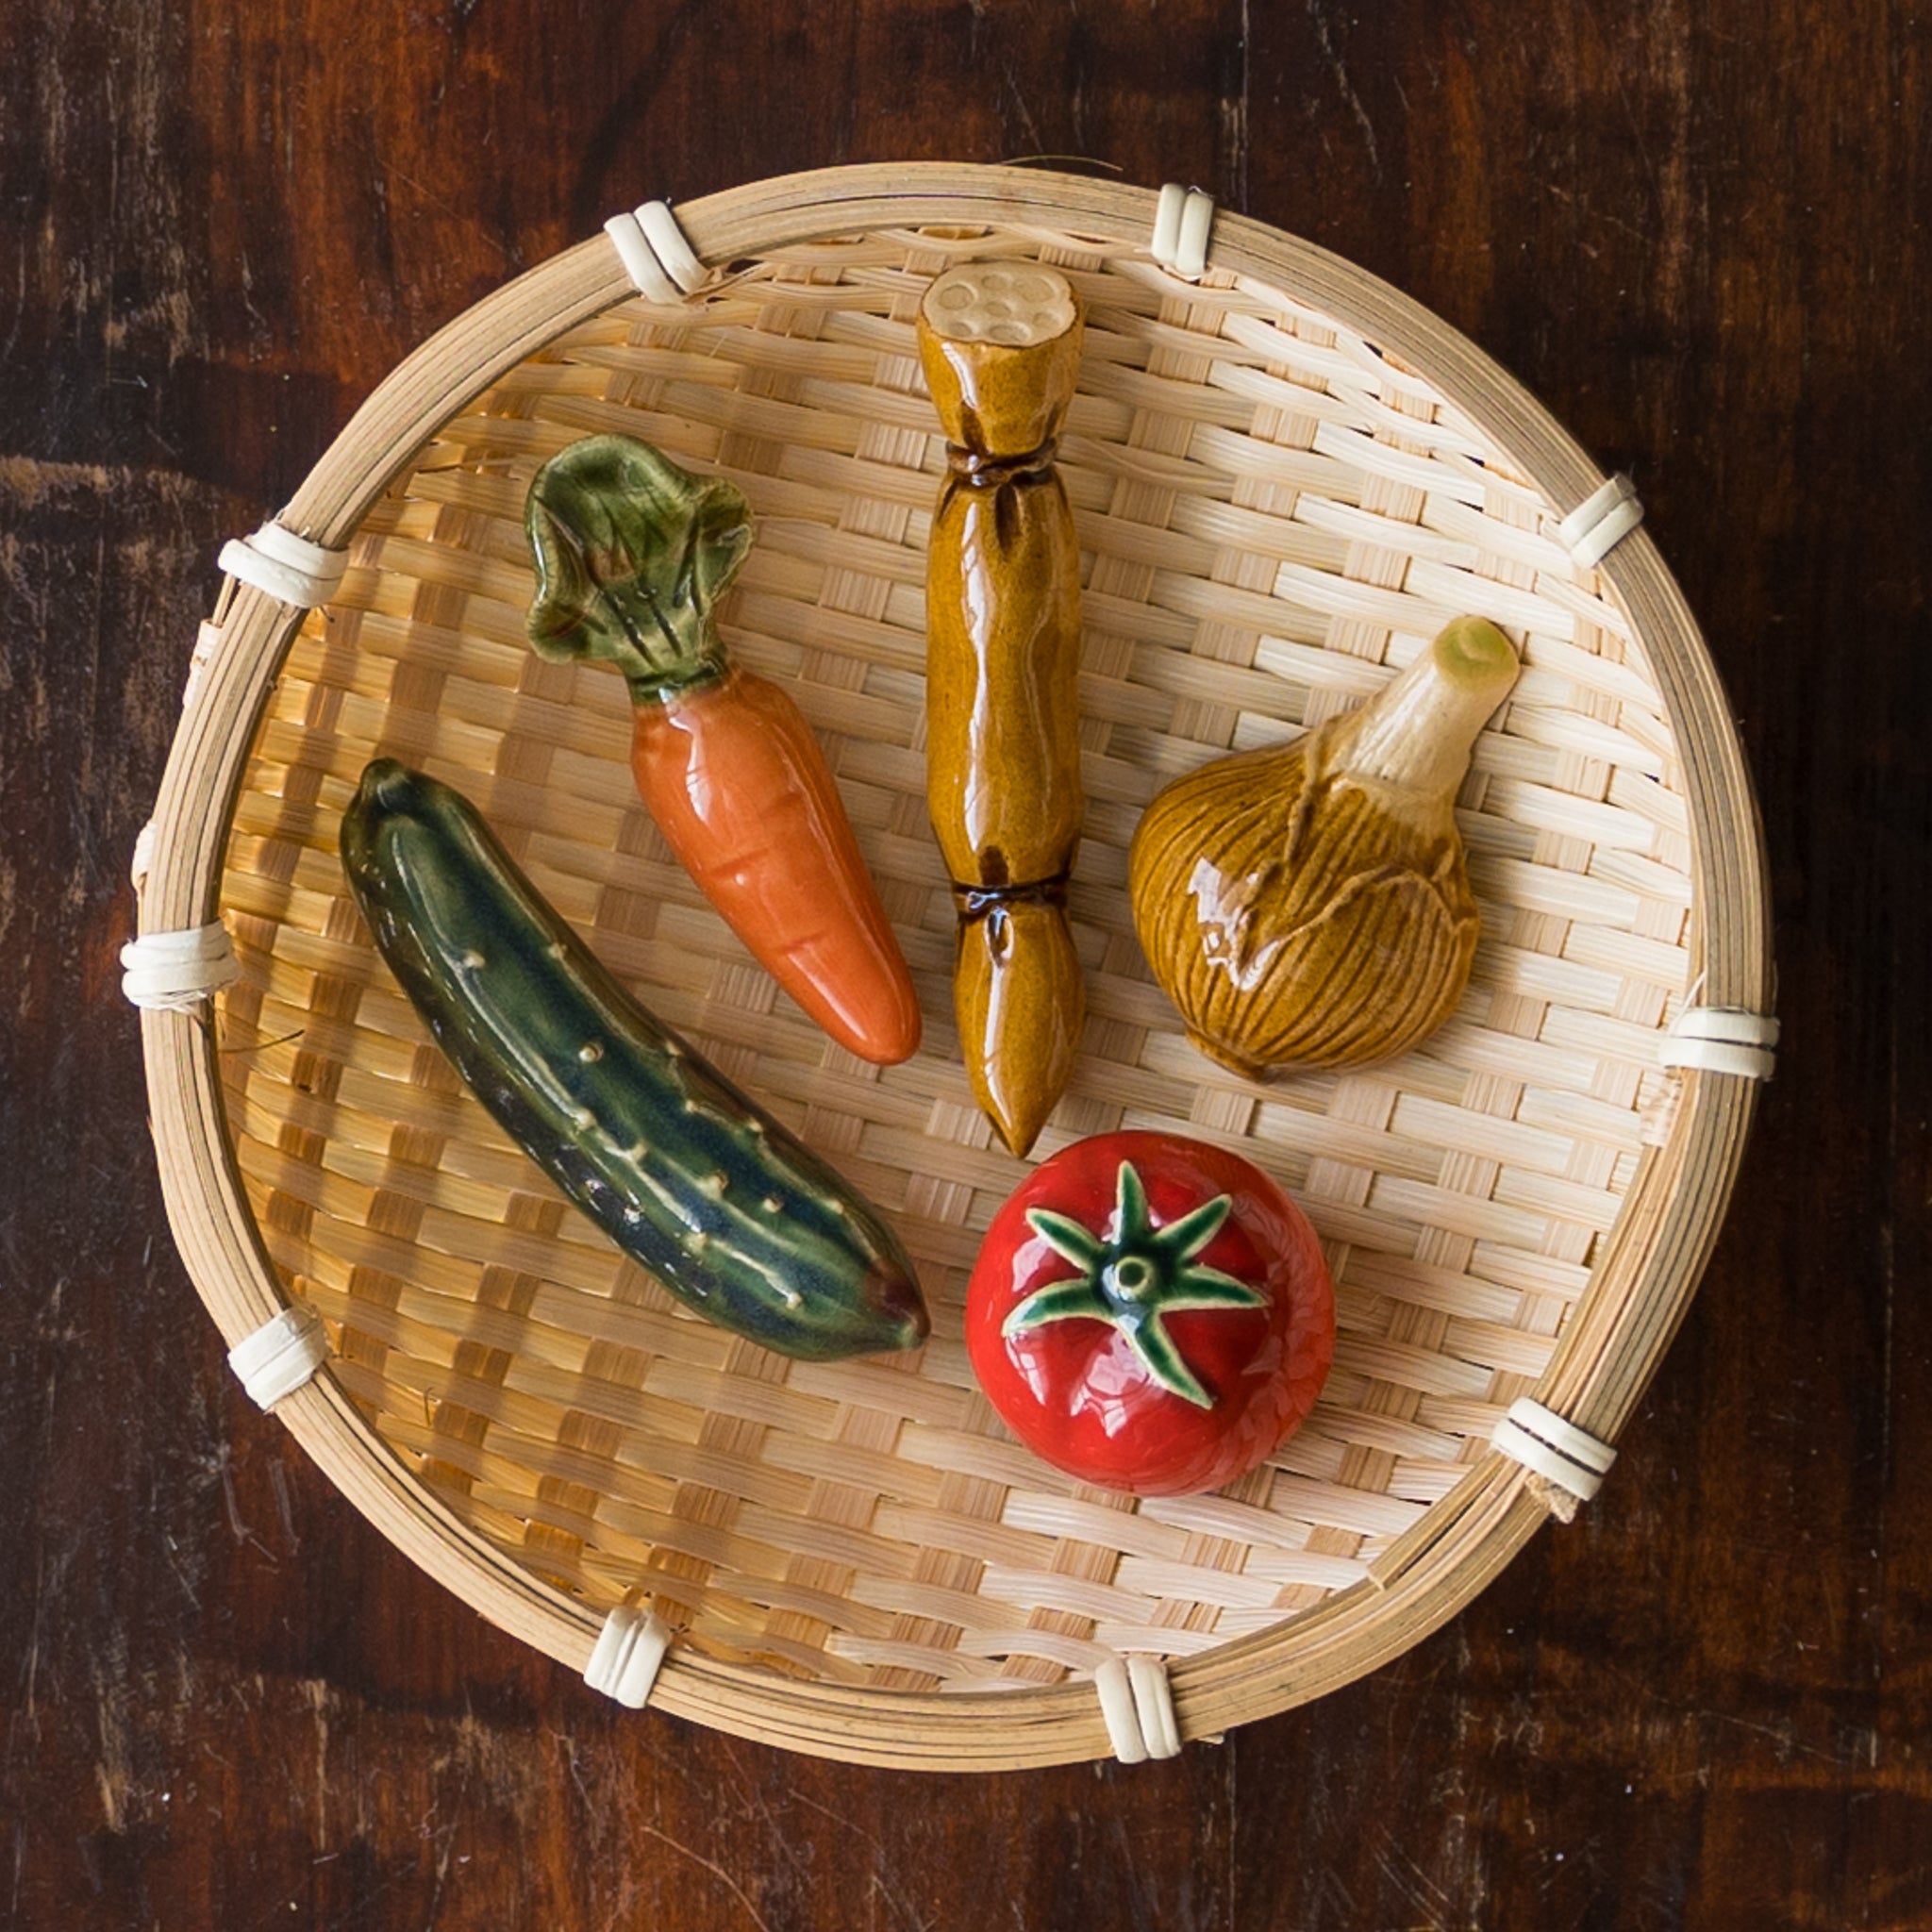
[1135, 1278]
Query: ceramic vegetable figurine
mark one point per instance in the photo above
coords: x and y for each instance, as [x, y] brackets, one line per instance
[1150, 1313]
[632, 555]
[724, 1206]
[1308, 905]
[1000, 344]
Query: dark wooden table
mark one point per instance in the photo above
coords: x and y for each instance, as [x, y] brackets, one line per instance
[1700, 233]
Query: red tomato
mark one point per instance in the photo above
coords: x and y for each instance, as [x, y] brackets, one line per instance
[1151, 1313]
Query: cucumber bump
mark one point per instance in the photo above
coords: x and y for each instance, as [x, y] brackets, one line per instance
[724, 1205]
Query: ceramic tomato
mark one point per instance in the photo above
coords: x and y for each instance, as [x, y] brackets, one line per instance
[1150, 1313]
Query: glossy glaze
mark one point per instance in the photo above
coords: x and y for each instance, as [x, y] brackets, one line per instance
[723, 1205]
[1000, 345]
[1150, 1313]
[779, 856]
[1021, 1001]
[1003, 628]
[1308, 904]
[632, 554]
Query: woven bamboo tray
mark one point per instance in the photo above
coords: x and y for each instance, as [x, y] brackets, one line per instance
[1285, 477]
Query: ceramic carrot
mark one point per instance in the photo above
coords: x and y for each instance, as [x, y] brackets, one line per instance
[632, 555]
[1001, 347]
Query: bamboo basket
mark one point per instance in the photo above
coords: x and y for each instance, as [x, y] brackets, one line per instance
[1284, 477]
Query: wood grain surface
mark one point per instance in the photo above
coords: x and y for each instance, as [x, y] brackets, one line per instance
[1698, 231]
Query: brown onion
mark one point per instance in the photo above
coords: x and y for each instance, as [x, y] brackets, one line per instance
[1308, 905]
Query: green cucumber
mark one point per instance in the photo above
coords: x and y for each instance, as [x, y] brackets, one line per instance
[731, 1211]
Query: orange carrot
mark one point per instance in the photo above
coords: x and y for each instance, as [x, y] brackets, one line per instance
[632, 553]
[736, 783]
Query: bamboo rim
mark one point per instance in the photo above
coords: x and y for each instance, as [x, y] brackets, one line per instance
[1639, 1287]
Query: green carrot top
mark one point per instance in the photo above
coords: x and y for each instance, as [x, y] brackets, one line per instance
[632, 555]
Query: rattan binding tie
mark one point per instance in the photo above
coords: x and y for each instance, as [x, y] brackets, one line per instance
[1181, 223]
[207, 641]
[1570, 1458]
[1601, 522]
[629, 1655]
[290, 568]
[142, 861]
[173, 972]
[1717, 1040]
[281, 1355]
[1136, 1702]
[662, 264]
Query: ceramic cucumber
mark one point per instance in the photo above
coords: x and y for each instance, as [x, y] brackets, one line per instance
[725, 1207]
